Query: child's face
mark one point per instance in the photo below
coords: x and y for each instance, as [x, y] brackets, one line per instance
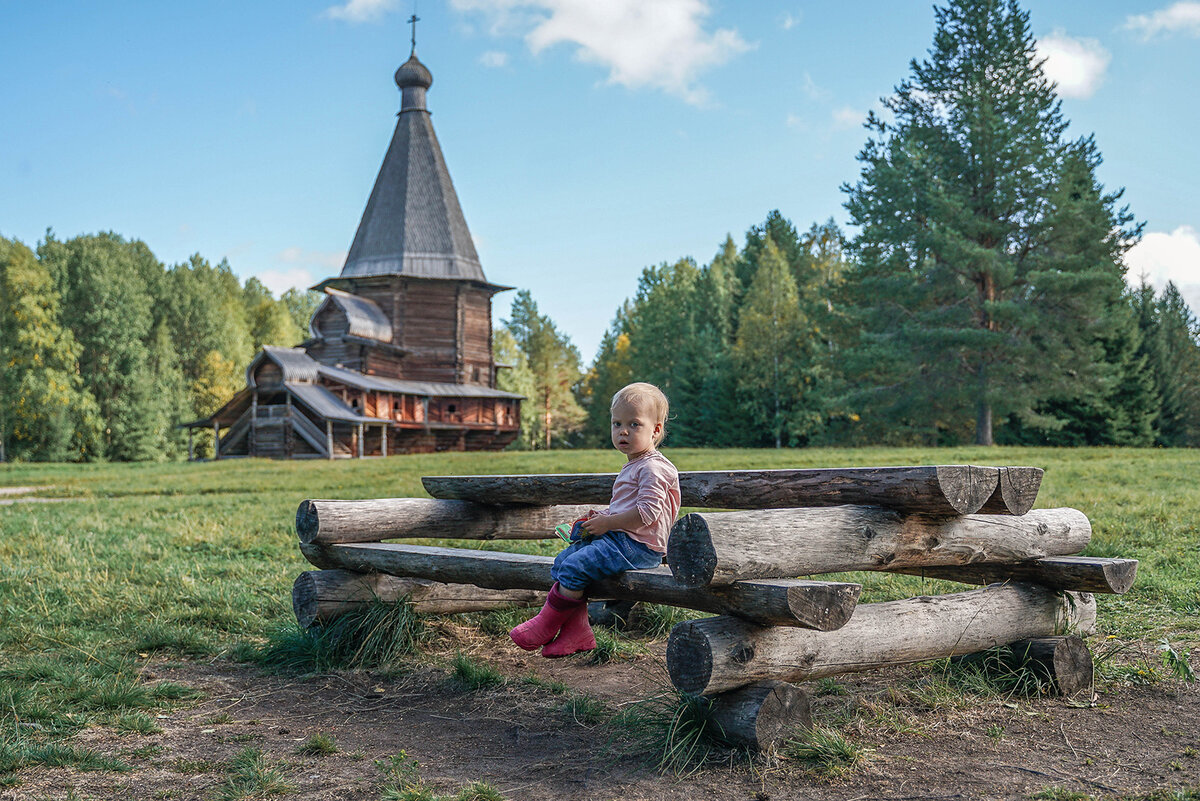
[633, 428]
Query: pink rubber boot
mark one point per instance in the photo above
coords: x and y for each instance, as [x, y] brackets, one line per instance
[576, 635]
[541, 628]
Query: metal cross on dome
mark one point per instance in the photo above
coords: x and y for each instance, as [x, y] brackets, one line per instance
[414, 19]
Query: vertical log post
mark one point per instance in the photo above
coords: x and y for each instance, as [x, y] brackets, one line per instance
[329, 437]
[253, 424]
[384, 429]
[191, 444]
[288, 434]
[361, 439]
[216, 441]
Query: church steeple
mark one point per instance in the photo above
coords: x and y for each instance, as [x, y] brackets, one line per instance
[413, 224]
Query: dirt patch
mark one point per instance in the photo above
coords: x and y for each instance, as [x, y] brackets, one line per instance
[521, 740]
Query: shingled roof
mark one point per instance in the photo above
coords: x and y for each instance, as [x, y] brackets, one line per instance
[413, 224]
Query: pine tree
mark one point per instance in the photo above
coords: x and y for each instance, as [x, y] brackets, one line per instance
[554, 362]
[774, 355]
[611, 370]
[1174, 353]
[967, 305]
[715, 411]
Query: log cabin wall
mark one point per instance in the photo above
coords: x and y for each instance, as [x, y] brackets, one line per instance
[430, 331]
[475, 336]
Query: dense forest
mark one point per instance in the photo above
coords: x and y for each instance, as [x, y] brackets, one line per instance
[982, 299]
[105, 350]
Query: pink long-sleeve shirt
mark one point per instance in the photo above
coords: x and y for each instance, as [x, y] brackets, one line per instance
[650, 484]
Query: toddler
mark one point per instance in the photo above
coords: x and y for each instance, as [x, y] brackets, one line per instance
[630, 534]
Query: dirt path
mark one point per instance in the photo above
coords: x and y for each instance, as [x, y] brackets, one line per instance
[520, 739]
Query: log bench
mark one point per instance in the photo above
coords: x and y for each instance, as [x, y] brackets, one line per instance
[752, 567]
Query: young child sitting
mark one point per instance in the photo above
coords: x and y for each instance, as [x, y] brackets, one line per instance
[630, 534]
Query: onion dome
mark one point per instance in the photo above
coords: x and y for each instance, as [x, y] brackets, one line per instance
[413, 78]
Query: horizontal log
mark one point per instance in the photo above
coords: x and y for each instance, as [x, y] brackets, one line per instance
[936, 490]
[785, 602]
[402, 518]
[761, 715]
[721, 547]
[718, 654]
[1016, 490]
[1079, 573]
[321, 596]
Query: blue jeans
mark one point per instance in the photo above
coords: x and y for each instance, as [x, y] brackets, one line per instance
[613, 552]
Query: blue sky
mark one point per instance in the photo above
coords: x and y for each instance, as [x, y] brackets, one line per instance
[586, 139]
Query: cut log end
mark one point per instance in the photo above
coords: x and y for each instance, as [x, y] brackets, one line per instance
[690, 552]
[305, 599]
[1016, 490]
[307, 521]
[1065, 661]
[689, 658]
[966, 487]
[827, 605]
[762, 715]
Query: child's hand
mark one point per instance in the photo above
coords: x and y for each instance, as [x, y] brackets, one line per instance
[595, 525]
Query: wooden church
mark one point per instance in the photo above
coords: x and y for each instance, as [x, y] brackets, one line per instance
[400, 354]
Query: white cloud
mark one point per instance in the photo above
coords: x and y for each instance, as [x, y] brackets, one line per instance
[847, 117]
[1162, 257]
[642, 43]
[792, 20]
[298, 268]
[1182, 17]
[796, 122]
[1076, 65]
[280, 281]
[359, 10]
[494, 59]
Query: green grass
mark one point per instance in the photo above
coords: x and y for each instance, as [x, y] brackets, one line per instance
[376, 635]
[676, 731]
[824, 752]
[250, 775]
[402, 782]
[188, 561]
[318, 744]
[471, 674]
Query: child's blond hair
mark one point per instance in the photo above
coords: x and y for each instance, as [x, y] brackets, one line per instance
[642, 394]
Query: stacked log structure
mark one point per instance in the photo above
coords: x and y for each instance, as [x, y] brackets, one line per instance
[774, 625]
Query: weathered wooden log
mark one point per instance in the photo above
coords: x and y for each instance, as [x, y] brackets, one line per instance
[786, 602]
[396, 518]
[717, 654]
[1079, 573]
[321, 596]
[1016, 490]
[944, 490]
[720, 547]
[761, 715]
[1064, 663]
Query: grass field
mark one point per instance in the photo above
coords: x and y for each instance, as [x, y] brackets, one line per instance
[197, 560]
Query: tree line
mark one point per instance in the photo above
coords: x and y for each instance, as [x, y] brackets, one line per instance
[983, 299]
[105, 350]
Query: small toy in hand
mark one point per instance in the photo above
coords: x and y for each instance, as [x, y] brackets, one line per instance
[565, 530]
